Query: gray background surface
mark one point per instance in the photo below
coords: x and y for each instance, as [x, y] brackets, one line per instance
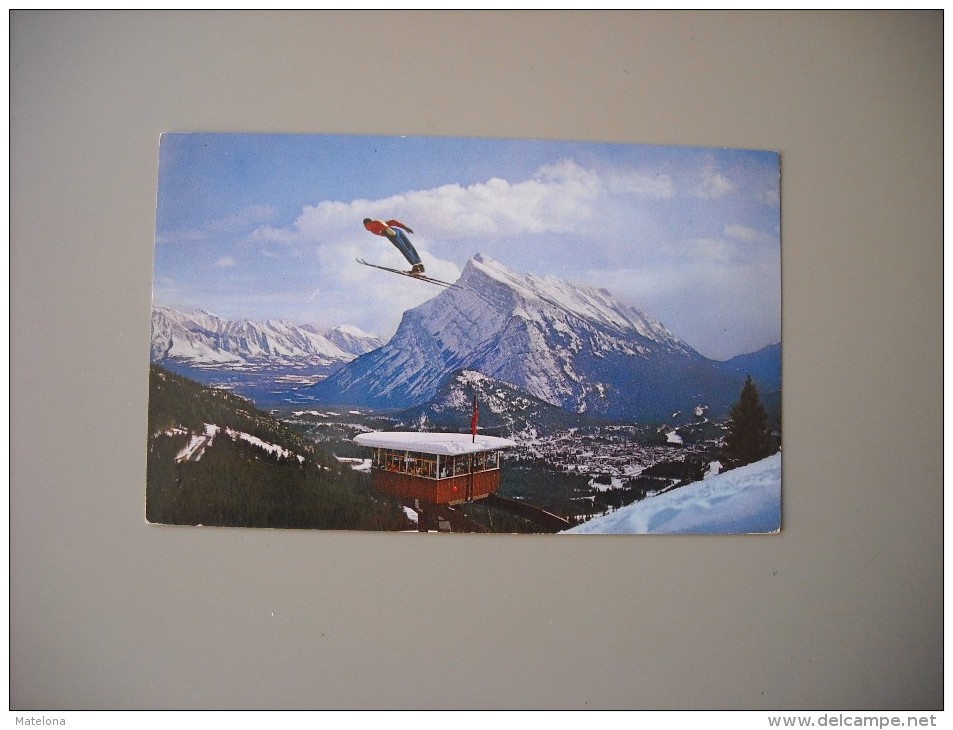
[841, 610]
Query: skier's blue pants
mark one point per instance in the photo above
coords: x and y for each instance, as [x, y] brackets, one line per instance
[404, 245]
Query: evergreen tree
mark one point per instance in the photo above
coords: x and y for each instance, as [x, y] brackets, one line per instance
[748, 437]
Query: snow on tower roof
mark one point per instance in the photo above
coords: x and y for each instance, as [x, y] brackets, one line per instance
[445, 444]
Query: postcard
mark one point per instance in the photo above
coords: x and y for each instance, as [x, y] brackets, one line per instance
[440, 335]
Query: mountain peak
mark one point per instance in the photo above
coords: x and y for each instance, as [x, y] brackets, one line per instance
[565, 343]
[352, 330]
[530, 293]
[482, 264]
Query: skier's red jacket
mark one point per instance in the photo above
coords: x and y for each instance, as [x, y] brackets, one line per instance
[380, 227]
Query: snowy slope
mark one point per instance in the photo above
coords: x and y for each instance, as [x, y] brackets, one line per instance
[743, 500]
[202, 340]
[199, 442]
[566, 344]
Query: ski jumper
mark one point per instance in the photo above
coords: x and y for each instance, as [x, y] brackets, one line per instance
[393, 231]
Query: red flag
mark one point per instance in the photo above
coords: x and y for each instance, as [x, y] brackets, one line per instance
[473, 421]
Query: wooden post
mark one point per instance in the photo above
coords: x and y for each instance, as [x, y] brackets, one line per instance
[469, 495]
[421, 517]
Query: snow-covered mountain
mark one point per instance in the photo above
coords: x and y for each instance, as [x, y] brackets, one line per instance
[567, 344]
[349, 339]
[202, 340]
[504, 410]
[764, 366]
[743, 500]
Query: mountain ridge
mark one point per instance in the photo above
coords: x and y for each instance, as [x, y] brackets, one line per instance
[200, 340]
[567, 344]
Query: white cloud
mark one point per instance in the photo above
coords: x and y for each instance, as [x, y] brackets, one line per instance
[371, 299]
[559, 198]
[713, 184]
[225, 262]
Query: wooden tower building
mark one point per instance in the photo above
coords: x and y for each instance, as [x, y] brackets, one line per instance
[435, 468]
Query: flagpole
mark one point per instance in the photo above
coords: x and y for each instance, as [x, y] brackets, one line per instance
[473, 419]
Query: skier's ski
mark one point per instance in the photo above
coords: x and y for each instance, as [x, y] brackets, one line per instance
[419, 277]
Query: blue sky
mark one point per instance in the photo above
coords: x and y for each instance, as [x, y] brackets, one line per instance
[269, 226]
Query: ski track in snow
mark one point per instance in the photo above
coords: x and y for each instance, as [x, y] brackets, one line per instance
[264, 445]
[199, 442]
